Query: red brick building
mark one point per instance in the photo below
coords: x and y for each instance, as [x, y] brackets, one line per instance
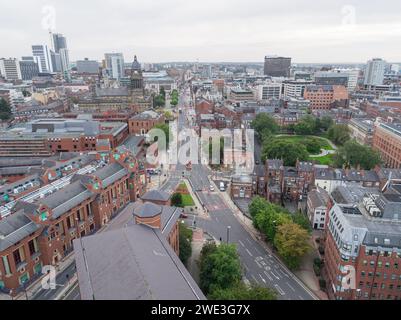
[387, 140]
[325, 97]
[145, 121]
[41, 232]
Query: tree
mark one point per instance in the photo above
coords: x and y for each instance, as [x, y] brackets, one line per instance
[313, 145]
[267, 216]
[176, 200]
[355, 155]
[5, 110]
[302, 220]
[166, 129]
[185, 239]
[258, 204]
[289, 151]
[220, 268]
[326, 122]
[26, 93]
[264, 125]
[306, 126]
[244, 292]
[174, 98]
[159, 101]
[339, 134]
[292, 243]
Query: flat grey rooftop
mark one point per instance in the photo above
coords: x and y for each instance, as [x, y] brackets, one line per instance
[132, 263]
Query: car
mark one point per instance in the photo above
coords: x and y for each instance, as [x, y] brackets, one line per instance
[222, 186]
[211, 187]
[183, 216]
[257, 162]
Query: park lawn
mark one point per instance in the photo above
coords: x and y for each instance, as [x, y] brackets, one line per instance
[326, 160]
[300, 139]
[187, 200]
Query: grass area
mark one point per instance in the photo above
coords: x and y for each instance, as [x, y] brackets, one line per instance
[187, 200]
[324, 144]
[326, 160]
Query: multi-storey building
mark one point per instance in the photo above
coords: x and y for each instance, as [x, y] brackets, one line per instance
[42, 56]
[141, 124]
[269, 91]
[277, 67]
[374, 73]
[41, 232]
[387, 140]
[87, 66]
[45, 137]
[361, 130]
[317, 204]
[325, 97]
[29, 68]
[10, 69]
[294, 88]
[363, 249]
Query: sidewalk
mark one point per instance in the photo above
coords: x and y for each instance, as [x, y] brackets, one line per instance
[304, 278]
[37, 285]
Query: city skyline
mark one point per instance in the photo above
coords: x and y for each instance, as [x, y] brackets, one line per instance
[338, 32]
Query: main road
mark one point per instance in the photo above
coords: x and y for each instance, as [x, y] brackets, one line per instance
[259, 265]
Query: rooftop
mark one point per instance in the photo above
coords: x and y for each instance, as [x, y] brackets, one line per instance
[133, 263]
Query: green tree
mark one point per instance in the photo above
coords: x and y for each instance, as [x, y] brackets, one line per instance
[166, 129]
[326, 122]
[162, 92]
[302, 220]
[306, 126]
[159, 101]
[264, 125]
[339, 134]
[185, 239]
[220, 268]
[174, 98]
[176, 200]
[354, 155]
[258, 204]
[289, 151]
[5, 110]
[243, 292]
[313, 145]
[292, 243]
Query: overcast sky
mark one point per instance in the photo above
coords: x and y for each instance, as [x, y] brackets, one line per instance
[208, 30]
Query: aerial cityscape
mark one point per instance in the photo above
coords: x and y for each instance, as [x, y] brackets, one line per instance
[145, 164]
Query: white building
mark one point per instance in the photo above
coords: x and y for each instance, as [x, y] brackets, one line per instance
[317, 204]
[115, 65]
[374, 73]
[10, 69]
[295, 89]
[269, 91]
[42, 56]
[353, 76]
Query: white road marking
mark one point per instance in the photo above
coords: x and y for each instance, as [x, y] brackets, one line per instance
[291, 287]
[249, 252]
[246, 267]
[274, 275]
[241, 243]
[279, 289]
[262, 278]
[268, 276]
[254, 278]
[249, 240]
[301, 298]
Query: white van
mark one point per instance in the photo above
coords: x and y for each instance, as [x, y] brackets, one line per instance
[222, 186]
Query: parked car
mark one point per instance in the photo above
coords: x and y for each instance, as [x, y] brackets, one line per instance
[222, 186]
[183, 216]
[211, 187]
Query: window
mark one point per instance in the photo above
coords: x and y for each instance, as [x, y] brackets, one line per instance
[363, 274]
[6, 265]
[387, 265]
[33, 246]
[379, 264]
[18, 258]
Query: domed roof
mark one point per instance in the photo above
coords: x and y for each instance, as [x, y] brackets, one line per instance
[147, 210]
[136, 65]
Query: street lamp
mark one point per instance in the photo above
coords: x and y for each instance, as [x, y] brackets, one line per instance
[228, 233]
